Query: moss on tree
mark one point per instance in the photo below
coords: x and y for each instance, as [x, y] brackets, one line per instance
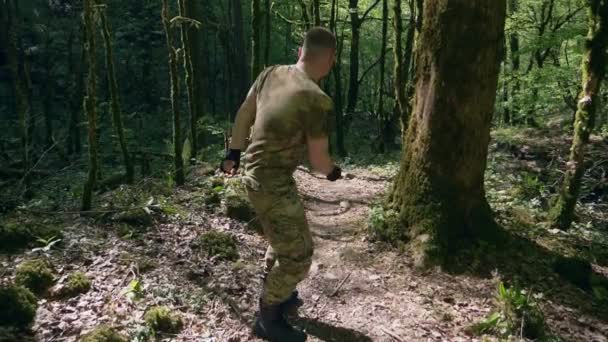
[18, 307]
[161, 319]
[103, 334]
[36, 275]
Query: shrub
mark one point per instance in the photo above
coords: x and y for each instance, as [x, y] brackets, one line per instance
[35, 275]
[76, 283]
[103, 334]
[384, 225]
[160, 319]
[219, 244]
[18, 307]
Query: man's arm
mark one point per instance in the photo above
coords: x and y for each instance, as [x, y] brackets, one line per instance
[318, 154]
[245, 118]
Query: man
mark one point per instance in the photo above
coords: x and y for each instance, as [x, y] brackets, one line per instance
[287, 113]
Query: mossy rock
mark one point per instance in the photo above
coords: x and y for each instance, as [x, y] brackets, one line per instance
[135, 217]
[15, 234]
[76, 283]
[161, 319]
[18, 307]
[219, 244]
[103, 334]
[35, 275]
[238, 207]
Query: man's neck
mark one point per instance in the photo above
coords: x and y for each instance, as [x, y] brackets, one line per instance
[308, 70]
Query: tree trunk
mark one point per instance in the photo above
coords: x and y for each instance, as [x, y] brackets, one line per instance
[188, 79]
[515, 63]
[114, 97]
[353, 82]
[338, 105]
[593, 69]
[256, 30]
[191, 10]
[240, 56]
[382, 118]
[19, 88]
[439, 194]
[316, 9]
[178, 162]
[305, 16]
[268, 32]
[90, 104]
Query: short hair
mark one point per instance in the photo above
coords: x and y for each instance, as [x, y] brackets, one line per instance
[318, 38]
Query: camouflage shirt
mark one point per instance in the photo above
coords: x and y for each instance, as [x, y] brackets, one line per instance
[289, 107]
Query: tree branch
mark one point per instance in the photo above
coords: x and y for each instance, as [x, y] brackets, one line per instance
[368, 11]
[369, 68]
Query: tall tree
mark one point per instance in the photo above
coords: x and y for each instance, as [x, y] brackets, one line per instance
[240, 56]
[178, 162]
[593, 69]
[439, 194]
[256, 37]
[382, 118]
[316, 10]
[90, 104]
[268, 31]
[114, 97]
[75, 90]
[338, 106]
[19, 86]
[355, 26]
[513, 6]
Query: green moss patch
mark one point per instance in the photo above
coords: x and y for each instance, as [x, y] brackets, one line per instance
[385, 225]
[18, 307]
[219, 244]
[16, 234]
[103, 334]
[36, 275]
[161, 319]
[76, 283]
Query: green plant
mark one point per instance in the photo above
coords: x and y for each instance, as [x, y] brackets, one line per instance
[134, 291]
[47, 243]
[384, 225]
[530, 187]
[160, 319]
[516, 314]
[103, 334]
[35, 275]
[219, 244]
[76, 283]
[18, 307]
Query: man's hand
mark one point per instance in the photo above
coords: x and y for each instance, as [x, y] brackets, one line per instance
[231, 163]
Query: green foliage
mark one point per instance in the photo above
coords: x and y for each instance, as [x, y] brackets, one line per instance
[134, 291]
[77, 283]
[219, 244]
[35, 275]
[516, 314]
[530, 187]
[18, 306]
[162, 320]
[103, 334]
[16, 234]
[385, 225]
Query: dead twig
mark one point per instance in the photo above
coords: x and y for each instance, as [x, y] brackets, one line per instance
[340, 286]
[392, 335]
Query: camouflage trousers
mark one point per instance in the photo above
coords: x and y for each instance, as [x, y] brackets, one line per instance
[283, 219]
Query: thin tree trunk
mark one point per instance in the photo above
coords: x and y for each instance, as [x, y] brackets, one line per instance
[114, 97]
[188, 79]
[178, 162]
[305, 16]
[256, 30]
[316, 9]
[240, 56]
[382, 117]
[515, 63]
[89, 104]
[268, 32]
[438, 195]
[195, 55]
[593, 69]
[338, 103]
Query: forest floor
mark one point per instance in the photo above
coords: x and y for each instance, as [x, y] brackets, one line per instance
[356, 290]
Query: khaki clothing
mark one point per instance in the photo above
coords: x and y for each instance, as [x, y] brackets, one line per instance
[289, 108]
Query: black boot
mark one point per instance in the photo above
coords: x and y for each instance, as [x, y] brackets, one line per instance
[271, 325]
[292, 304]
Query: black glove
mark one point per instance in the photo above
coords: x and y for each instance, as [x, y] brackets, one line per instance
[335, 174]
[232, 155]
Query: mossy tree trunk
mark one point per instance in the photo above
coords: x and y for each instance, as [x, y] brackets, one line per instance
[256, 37]
[593, 69]
[439, 191]
[187, 54]
[178, 162]
[515, 63]
[382, 117]
[114, 97]
[89, 104]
